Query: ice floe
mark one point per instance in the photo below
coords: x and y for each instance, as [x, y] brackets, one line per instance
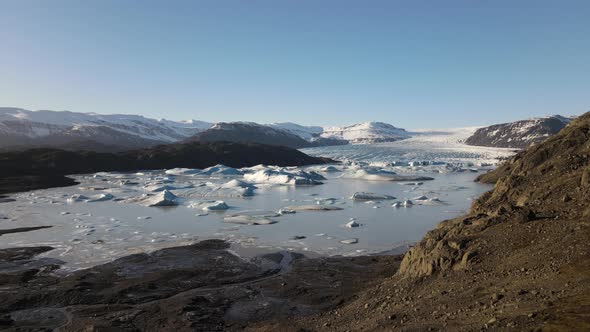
[366, 196]
[252, 218]
[100, 198]
[220, 170]
[163, 198]
[209, 205]
[272, 176]
[183, 171]
[350, 241]
[316, 207]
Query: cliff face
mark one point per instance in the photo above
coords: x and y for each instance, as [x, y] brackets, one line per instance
[549, 181]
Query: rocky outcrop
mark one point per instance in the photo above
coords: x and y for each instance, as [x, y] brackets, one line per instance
[519, 134]
[547, 181]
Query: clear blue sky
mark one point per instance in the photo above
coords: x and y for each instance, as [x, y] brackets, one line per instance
[410, 63]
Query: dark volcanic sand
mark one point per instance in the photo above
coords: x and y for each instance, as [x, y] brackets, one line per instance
[200, 287]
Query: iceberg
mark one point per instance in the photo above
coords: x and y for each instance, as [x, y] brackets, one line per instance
[100, 198]
[352, 224]
[210, 205]
[365, 196]
[252, 218]
[76, 198]
[313, 208]
[329, 169]
[271, 176]
[163, 198]
[350, 241]
[182, 171]
[221, 170]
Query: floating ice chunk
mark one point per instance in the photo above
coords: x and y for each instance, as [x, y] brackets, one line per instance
[314, 208]
[220, 170]
[326, 201]
[144, 218]
[372, 174]
[297, 237]
[349, 241]
[420, 198]
[100, 198]
[407, 203]
[231, 189]
[352, 224]
[397, 205]
[77, 198]
[286, 211]
[244, 189]
[209, 205]
[182, 171]
[252, 218]
[164, 198]
[365, 196]
[162, 187]
[330, 169]
[65, 213]
[271, 176]
[201, 214]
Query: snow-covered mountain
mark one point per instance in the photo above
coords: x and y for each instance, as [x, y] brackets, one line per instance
[366, 132]
[22, 128]
[519, 134]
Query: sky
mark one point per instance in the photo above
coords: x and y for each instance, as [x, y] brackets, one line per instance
[414, 64]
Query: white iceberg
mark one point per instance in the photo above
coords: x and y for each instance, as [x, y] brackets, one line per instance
[162, 187]
[76, 198]
[271, 176]
[210, 205]
[349, 241]
[329, 169]
[232, 189]
[164, 198]
[100, 198]
[365, 196]
[420, 198]
[252, 218]
[220, 170]
[407, 203]
[182, 171]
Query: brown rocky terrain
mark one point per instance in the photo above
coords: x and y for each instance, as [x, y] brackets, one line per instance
[519, 261]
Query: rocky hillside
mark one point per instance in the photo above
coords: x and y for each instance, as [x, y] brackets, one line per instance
[519, 134]
[249, 132]
[43, 168]
[519, 260]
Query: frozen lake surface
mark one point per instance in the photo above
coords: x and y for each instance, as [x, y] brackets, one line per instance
[305, 209]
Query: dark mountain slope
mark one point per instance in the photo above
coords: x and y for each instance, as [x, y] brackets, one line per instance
[247, 132]
[53, 163]
[519, 134]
